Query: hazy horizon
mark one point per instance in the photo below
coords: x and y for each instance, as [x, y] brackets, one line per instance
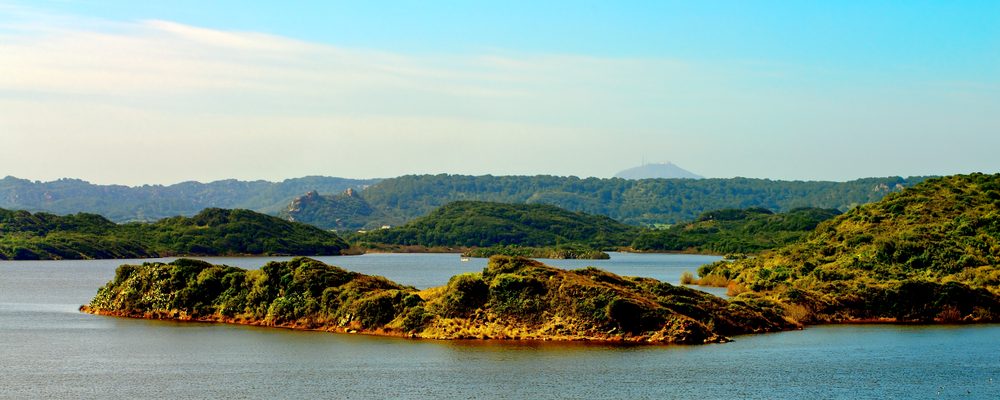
[133, 93]
[396, 176]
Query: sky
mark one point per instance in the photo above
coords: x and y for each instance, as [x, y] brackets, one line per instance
[133, 92]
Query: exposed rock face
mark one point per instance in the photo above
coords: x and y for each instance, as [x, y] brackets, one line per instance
[347, 211]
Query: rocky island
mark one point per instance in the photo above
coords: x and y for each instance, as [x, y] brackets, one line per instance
[513, 298]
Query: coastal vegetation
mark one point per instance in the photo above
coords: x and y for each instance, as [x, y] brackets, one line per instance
[734, 231]
[212, 232]
[512, 298]
[562, 252]
[929, 253]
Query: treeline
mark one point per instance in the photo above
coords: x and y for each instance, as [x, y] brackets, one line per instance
[929, 253]
[212, 232]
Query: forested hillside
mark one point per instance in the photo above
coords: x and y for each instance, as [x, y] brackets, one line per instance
[483, 224]
[635, 202]
[398, 200]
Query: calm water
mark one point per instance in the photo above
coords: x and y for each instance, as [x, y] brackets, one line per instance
[49, 350]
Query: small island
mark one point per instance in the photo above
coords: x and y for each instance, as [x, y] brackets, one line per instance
[513, 298]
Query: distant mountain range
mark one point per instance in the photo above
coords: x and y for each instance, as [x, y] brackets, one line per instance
[395, 201]
[665, 170]
[152, 202]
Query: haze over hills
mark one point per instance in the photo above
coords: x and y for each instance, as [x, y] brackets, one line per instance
[395, 201]
[665, 170]
[151, 202]
[635, 202]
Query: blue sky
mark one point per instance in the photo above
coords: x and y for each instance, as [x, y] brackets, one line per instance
[772, 89]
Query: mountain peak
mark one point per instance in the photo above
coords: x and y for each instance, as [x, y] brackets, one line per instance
[659, 170]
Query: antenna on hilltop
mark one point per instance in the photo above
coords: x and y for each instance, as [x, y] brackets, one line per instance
[643, 160]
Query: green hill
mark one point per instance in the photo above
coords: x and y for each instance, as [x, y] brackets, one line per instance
[483, 224]
[745, 231]
[931, 252]
[25, 236]
[513, 298]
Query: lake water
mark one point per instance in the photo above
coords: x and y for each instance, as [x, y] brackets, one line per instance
[49, 350]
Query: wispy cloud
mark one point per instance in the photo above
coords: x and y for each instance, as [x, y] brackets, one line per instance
[96, 98]
[174, 85]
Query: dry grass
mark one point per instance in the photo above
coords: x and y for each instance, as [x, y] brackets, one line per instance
[734, 289]
[797, 313]
[713, 280]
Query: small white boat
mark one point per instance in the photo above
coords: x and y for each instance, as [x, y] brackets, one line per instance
[464, 259]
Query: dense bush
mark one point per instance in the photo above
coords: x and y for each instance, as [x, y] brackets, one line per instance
[212, 232]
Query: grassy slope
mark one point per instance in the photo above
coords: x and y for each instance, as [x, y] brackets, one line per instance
[511, 298]
[928, 253]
